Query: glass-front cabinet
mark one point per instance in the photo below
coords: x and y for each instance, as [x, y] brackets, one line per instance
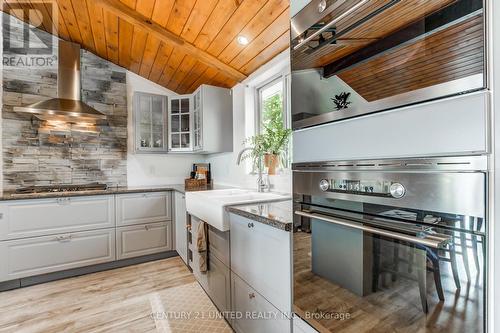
[180, 123]
[197, 121]
[151, 122]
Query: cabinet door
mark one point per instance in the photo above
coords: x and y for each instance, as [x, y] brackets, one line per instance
[141, 208]
[261, 255]
[197, 120]
[28, 218]
[180, 226]
[150, 122]
[180, 123]
[248, 302]
[143, 239]
[39, 255]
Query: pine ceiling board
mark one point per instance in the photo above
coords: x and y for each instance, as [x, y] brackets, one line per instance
[204, 78]
[62, 30]
[197, 19]
[199, 15]
[68, 15]
[198, 69]
[164, 52]
[179, 15]
[140, 37]
[262, 20]
[267, 36]
[97, 27]
[215, 22]
[162, 11]
[173, 63]
[82, 14]
[278, 46]
[181, 72]
[47, 17]
[150, 53]
[111, 34]
[245, 12]
[125, 34]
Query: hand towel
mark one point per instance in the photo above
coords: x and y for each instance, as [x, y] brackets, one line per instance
[202, 244]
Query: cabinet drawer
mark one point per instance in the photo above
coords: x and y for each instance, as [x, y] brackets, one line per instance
[140, 208]
[40, 255]
[143, 239]
[248, 302]
[216, 281]
[261, 255]
[29, 218]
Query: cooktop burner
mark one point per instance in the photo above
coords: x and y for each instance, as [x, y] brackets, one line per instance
[62, 188]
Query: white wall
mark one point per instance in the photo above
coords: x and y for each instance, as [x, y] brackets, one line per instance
[153, 169]
[224, 168]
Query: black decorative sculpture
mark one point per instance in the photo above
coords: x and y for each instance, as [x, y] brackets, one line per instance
[341, 100]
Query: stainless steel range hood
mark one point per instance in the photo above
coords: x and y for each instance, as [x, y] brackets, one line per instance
[68, 107]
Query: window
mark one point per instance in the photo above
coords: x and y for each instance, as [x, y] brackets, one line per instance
[271, 104]
[272, 112]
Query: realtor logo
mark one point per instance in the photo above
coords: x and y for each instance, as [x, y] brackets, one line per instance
[29, 30]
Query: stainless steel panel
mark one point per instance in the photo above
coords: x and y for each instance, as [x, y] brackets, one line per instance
[455, 191]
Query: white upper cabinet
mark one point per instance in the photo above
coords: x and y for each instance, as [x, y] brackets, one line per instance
[201, 122]
[150, 114]
[180, 125]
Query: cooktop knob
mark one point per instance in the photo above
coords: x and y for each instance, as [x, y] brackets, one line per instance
[397, 190]
[324, 185]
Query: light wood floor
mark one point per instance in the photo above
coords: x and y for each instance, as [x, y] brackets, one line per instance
[119, 300]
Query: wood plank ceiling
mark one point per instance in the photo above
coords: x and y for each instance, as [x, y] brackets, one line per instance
[211, 26]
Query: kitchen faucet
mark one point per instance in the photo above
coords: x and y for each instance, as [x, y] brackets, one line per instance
[262, 185]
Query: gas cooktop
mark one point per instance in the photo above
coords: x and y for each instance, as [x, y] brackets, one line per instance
[62, 188]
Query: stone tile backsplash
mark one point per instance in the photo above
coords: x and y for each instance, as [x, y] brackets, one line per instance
[33, 155]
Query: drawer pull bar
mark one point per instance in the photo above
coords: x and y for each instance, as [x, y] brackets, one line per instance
[63, 239]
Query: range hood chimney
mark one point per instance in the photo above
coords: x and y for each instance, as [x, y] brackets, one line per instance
[68, 107]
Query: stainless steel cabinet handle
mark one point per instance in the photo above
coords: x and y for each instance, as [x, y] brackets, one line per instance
[434, 243]
[250, 225]
[63, 239]
[251, 295]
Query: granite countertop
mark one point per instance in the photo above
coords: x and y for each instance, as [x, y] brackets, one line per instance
[277, 214]
[12, 195]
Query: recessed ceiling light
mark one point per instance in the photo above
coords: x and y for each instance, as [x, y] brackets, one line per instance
[242, 40]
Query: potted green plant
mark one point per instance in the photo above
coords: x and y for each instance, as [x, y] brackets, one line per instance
[270, 146]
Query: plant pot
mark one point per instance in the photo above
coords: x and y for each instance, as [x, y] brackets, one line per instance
[271, 162]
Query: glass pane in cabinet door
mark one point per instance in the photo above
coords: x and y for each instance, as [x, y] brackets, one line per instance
[174, 106]
[145, 116]
[157, 112]
[185, 140]
[185, 105]
[158, 140]
[145, 137]
[185, 123]
[176, 143]
[175, 124]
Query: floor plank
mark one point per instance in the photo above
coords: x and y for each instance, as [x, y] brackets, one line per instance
[119, 300]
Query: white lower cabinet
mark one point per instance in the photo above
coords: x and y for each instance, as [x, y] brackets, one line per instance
[261, 255]
[143, 239]
[39, 217]
[140, 208]
[253, 313]
[46, 254]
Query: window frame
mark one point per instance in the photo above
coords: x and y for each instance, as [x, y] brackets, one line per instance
[285, 79]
